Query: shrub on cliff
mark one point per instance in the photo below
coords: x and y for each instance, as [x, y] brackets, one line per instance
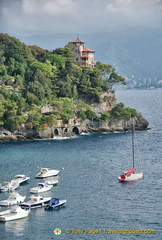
[119, 112]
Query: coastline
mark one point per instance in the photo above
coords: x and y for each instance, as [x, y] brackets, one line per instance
[87, 126]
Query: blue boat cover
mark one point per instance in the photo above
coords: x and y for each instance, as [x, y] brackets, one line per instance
[56, 201]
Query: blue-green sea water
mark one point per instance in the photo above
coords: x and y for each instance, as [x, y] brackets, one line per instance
[89, 166]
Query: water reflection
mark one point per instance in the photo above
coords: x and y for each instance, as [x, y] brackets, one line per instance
[17, 227]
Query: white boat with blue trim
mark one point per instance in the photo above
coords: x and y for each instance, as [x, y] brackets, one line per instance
[35, 201]
[21, 179]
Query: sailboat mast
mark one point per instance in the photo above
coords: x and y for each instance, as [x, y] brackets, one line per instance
[133, 141]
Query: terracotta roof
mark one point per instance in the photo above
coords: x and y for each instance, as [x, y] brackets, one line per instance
[77, 41]
[87, 50]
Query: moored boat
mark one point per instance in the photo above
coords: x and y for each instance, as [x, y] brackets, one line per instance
[51, 181]
[35, 201]
[41, 187]
[20, 179]
[15, 213]
[130, 175]
[9, 186]
[55, 204]
[14, 198]
[47, 172]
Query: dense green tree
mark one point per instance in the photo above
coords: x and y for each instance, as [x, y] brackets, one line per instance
[81, 114]
[109, 76]
[38, 52]
[3, 71]
[64, 52]
[56, 60]
[50, 119]
[45, 68]
[120, 112]
[105, 116]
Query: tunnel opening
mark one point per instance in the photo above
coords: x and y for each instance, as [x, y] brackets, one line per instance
[76, 130]
[56, 132]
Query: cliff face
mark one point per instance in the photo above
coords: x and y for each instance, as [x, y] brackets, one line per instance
[108, 101]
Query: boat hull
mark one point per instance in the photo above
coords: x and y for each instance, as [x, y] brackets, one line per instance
[6, 203]
[34, 205]
[5, 212]
[40, 176]
[40, 190]
[47, 173]
[130, 177]
[12, 217]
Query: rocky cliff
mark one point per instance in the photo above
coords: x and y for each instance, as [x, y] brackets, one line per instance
[118, 125]
[108, 101]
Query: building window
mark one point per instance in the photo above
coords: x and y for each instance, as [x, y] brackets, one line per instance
[77, 59]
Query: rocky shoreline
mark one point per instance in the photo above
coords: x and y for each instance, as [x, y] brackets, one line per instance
[140, 124]
[77, 126]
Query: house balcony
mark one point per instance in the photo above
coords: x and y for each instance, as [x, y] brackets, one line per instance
[86, 63]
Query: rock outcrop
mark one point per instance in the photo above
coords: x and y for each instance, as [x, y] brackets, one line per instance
[108, 101]
[119, 125]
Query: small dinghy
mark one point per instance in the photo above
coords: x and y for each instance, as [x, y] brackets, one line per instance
[56, 203]
[51, 181]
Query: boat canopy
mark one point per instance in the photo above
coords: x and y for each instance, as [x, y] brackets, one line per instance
[41, 184]
[56, 201]
[129, 171]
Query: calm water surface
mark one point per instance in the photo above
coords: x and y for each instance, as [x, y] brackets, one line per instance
[89, 167]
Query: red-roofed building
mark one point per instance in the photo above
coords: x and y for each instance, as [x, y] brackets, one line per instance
[83, 56]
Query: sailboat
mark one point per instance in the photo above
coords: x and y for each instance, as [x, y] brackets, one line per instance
[130, 175]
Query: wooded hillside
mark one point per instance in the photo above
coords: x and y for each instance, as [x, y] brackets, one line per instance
[31, 77]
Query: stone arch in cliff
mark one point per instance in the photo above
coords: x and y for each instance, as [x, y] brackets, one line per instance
[56, 132]
[75, 130]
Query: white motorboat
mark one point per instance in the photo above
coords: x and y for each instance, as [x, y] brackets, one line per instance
[15, 213]
[14, 198]
[41, 187]
[130, 175]
[35, 201]
[51, 181]
[9, 186]
[20, 179]
[47, 172]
